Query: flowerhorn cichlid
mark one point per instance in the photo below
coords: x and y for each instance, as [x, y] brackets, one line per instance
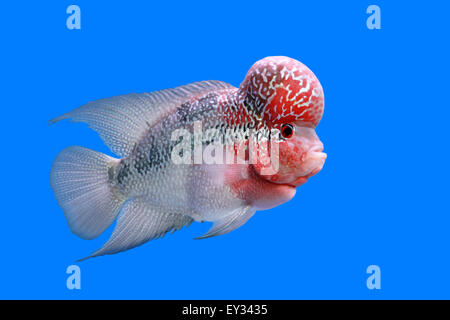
[205, 151]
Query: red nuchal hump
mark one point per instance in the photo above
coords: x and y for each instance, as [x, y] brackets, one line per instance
[281, 90]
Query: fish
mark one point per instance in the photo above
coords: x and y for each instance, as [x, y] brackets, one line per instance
[205, 151]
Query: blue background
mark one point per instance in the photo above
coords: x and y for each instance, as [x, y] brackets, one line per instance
[382, 197]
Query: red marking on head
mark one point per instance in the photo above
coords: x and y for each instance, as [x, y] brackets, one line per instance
[282, 90]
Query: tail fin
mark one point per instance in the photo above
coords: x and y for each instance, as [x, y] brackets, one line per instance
[80, 180]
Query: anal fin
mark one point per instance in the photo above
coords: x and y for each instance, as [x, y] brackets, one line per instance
[138, 222]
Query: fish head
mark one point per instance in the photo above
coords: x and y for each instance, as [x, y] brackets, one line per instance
[286, 96]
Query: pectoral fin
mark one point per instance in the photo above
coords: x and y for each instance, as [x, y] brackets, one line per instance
[229, 223]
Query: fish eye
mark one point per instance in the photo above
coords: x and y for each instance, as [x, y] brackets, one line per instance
[287, 130]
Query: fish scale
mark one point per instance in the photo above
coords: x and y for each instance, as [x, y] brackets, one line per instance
[150, 167]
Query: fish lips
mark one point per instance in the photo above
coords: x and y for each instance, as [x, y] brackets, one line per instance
[319, 159]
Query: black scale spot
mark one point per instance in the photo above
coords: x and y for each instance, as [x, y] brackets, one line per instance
[191, 111]
[124, 172]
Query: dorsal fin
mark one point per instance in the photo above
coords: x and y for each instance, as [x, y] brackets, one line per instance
[120, 121]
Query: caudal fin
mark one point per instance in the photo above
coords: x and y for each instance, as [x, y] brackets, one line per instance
[81, 184]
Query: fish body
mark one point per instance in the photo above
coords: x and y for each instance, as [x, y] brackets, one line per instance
[206, 151]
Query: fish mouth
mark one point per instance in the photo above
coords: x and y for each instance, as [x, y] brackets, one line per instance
[317, 148]
[302, 179]
[315, 162]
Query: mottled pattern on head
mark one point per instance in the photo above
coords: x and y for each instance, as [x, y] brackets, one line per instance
[281, 90]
